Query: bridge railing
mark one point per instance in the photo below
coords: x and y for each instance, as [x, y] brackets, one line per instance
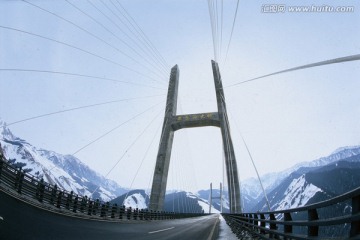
[47, 195]
[308, 222]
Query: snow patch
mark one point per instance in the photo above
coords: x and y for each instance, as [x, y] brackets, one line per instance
[135, 200]
[66, 171]
[205, 207]
[297, 194]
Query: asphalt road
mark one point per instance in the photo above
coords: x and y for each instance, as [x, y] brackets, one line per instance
[19, 220]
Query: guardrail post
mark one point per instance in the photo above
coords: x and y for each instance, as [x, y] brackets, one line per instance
[19, 180]
[83, 204]
[256, 222]
[90, 207]
[128, 213]
[53, 194]
[1, 166]
[107, 207]
[122, 211]
[273, 226]
[147, 214]
[102, 211]
[287, 227]
[58, 201]
[17, 177]
[151, 215]
[96, 206]
[142, 214]
[69, 200]
[113, 210]
[355, 224]
[251, 220]
[75, 205]
[262, 224]
[40, 190]
[136, 212]
[313, 231]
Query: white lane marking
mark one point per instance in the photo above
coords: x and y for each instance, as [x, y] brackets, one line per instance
[1, 218]
[161, 230]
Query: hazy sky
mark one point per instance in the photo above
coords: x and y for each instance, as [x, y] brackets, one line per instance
[285, 119]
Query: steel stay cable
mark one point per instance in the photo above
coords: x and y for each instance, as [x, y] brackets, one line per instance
[151, 176]
[88, 32]
[179, 181]
[139, 46]
[257, 173]
[77, 48]
[215, 27]
[350, 58]
[79, 75]
[172, 173]
[227, 135]
[232, 29]
[150, 181]
[115, 24]
[212, 28]
[181, 184]
[221, 26]
[190, 182]
[78, 108]
[145, 154]
[215, 6]
[112, 33]
[113, 129]
[129, 147]
[231, 167]
[141, 39]
[253, 163]
[147, 53]
[152, 46]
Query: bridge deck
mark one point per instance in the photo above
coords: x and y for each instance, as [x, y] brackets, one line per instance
[20, 220]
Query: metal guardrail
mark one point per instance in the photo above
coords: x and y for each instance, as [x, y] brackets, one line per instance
[50, 195]
[281, 224]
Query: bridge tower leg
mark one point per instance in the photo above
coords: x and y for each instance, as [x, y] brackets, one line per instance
[164, 153]
[173, 122]
[230, 160]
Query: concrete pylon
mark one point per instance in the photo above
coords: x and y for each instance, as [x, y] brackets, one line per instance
[173, 122]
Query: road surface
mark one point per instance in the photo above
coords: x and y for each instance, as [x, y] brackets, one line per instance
[19, 220]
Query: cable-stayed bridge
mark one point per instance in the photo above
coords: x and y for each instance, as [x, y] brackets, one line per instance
[57, 214]
[112, 27]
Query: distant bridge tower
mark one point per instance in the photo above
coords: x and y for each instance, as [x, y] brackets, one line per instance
[173, 122]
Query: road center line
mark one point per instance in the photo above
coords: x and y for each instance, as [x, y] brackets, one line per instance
[161, 230]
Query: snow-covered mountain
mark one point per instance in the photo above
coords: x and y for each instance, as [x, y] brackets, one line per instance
[293, 187]
[216, 202]
[181, 201]
[66, 171]
[175, 201]
[313, 184]
[302, 184]
[251, 190]
[135, 199]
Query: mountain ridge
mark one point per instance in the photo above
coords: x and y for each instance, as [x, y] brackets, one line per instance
[66, 171]
[69, 173]
[252, 192]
